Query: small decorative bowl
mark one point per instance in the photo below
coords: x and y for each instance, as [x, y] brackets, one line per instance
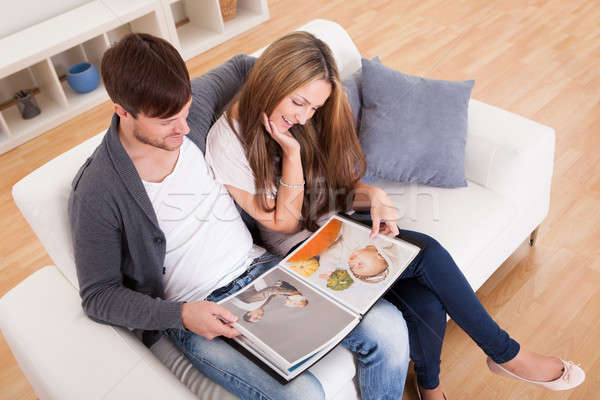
[83, 77]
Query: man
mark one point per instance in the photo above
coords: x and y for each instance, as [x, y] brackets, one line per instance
[157, 241]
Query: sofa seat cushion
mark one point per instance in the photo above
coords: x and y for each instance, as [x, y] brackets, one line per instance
[166, 351]
[67, 356]
[466, 221]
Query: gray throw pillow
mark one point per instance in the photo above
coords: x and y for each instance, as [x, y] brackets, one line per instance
[413, 129]
[353, 87]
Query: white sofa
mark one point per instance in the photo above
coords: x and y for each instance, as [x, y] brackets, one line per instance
[65, 355]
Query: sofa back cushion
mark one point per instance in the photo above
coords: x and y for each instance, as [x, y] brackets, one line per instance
[42, 196]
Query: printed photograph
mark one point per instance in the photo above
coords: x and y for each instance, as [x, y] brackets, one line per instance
[344, 262]
[287, 315]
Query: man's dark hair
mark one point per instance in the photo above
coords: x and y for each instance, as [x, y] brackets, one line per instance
[144, 73]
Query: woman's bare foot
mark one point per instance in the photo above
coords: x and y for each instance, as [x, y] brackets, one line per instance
[534, 367]
[431, 394]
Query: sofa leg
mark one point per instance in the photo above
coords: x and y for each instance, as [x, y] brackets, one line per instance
[533, 236]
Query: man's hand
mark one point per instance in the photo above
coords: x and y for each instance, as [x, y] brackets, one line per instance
[202, 318]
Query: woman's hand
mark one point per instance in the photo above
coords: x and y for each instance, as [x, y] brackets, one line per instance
[286, 209]
[289, 144]
[383, 214]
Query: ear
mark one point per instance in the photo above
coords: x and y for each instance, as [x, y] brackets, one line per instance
[120, 111]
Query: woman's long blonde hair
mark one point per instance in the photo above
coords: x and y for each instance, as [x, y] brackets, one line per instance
[332, 159]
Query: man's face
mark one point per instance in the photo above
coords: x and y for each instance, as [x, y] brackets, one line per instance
[163, 133]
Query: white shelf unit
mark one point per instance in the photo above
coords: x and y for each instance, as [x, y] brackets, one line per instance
[82, 34]
[39, 56]
[197, 25]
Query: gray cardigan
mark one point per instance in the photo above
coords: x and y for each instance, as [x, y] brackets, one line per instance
[119, 247]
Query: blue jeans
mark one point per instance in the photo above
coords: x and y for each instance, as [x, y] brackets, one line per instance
[380, 343]
[430, 287]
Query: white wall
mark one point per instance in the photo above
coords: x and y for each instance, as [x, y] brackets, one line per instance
[16, 15]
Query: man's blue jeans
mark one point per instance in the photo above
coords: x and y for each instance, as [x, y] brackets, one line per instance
[379, 342]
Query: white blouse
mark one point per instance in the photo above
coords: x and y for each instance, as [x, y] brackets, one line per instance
[227, 162]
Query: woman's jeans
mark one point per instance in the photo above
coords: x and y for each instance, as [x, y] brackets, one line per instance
[430, 287]
[380, 344]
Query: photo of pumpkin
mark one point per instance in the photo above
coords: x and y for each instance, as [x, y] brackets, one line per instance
[319, 243]
[339, 280]
[305, 268]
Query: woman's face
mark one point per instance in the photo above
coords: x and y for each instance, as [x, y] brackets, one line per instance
[300, 105]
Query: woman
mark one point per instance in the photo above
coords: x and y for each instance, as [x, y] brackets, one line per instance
[286, 149]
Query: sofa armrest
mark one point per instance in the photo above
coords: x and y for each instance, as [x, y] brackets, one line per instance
[509, 154]
[65, 355]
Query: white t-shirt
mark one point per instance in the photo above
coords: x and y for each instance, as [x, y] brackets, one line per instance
[228, 164]
[208, 244]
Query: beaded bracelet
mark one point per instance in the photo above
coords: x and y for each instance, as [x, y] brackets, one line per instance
[282, 183]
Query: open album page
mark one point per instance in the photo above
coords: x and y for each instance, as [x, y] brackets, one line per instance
[268, 358]
[286, 320]
[343, 262]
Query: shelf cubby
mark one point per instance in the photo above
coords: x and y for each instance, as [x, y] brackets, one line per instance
[89, 51]
[255, 6]
[11, 84]
[48, 81]
[79, 102]
[249, 13]
[197, 25]
[26, 128]
[4, 132]
[64, 60]
[49, 97]
[147, 24]
[94, 49]
[116, 34]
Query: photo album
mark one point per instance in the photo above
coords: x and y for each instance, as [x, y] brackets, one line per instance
[295, 313]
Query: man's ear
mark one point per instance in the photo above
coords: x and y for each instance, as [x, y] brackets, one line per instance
[120, 111]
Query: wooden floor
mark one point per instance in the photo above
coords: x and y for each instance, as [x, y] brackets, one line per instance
[537, 58]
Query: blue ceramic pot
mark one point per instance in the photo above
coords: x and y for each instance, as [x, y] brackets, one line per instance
[83, 77]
